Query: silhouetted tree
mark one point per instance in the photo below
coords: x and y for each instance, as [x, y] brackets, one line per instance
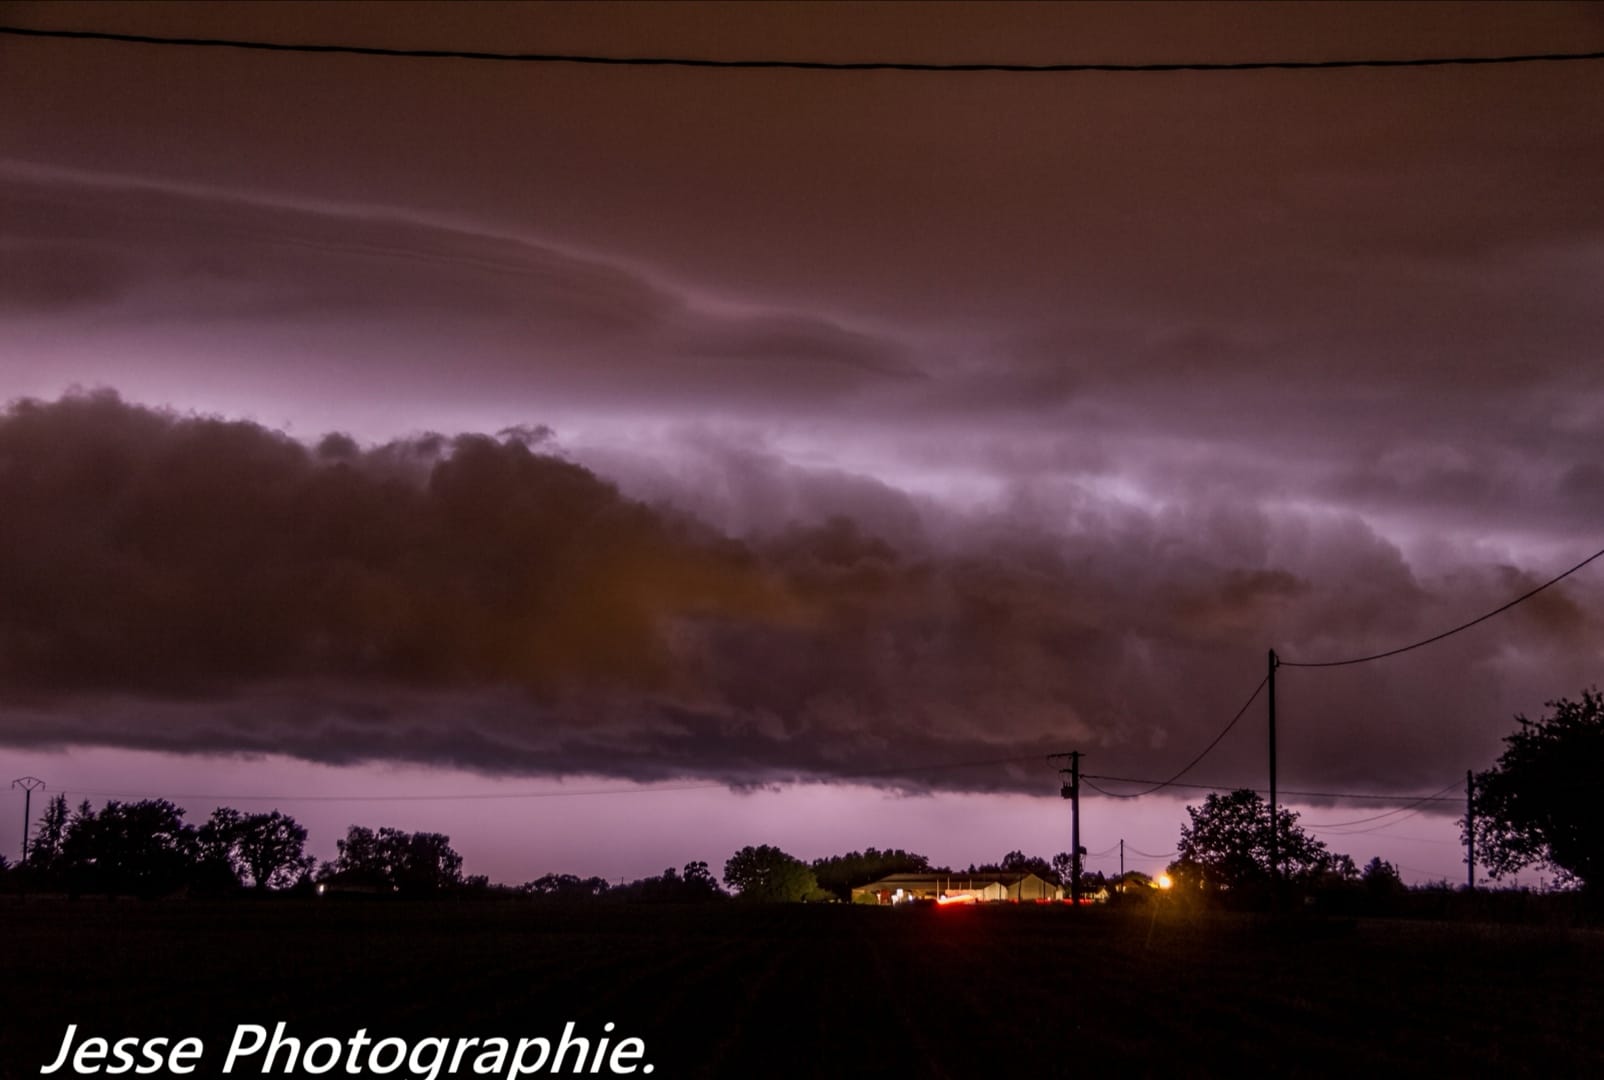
[1539, 804]
[421, 862]
[1227, 844]
[766, 873]
[1380, 880]
[840, 874]
[696, 885]
[1017, 862]
[699, 882]
[142, 848]
[360, 859]
[404, 862]
[44, 850]
[266, 851]
[565, 887]
[1338, 869]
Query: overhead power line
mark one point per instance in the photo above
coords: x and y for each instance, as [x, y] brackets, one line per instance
[792, 65]
[1226, 730]
[1408, 811]
[1522, 598]
[1149, 854]
[1410, 798]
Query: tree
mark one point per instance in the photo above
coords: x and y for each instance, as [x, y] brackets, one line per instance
[44, 851]
[421, 862]
[695, 885]
[1539, 804]
[267, 850]
[1380, 879]
[400, 861]
[566, 887]
[1017, 862]
[1227, 844]
[766, 873]
[141, 848]
[359, 860]
[840, 874]
[699, 882]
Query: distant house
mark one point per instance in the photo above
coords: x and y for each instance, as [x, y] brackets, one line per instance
[981, 887]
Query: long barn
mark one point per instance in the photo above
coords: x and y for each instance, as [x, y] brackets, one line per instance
[958, 888]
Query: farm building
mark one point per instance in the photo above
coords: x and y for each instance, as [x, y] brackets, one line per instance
[958, 888]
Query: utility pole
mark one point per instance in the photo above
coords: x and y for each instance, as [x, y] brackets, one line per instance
[1275, 838]
[1071, 791]
[1122, 864]
[27, 784]
[1470, 831]
[1074, 830]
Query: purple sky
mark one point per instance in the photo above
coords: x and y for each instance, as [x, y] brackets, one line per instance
[792, 426]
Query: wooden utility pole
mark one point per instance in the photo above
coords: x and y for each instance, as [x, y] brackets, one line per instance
[1071, 791]
[1470, 831]
[1074, 828]
[1275, 837]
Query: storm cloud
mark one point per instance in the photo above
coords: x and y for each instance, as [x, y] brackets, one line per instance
[187, 583]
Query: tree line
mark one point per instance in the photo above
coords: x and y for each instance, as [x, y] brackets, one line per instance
[1536, 806]
[147, 849]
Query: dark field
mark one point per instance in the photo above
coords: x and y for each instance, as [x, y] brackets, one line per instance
[741, 991]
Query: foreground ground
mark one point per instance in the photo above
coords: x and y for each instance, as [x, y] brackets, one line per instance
[821, 991]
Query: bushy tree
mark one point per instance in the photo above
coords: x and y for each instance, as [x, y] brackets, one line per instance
[421, 862]
[699, 882]
[266, 851]
[1227, 844]
[359, 859]
[392, 858]
[566, 887]
[840, 874]
[1380, 879]
[766, 873]
[1017, 862]
[140, 849]
[1539, 804]
[694, 885]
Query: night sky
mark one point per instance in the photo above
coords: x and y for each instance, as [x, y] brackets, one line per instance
[432, 427]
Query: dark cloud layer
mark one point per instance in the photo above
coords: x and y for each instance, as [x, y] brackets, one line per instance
[373, 289]
[185, 583]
